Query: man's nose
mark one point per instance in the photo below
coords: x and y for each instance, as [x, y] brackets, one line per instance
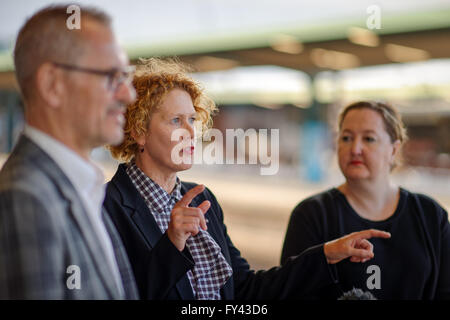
[126, 93]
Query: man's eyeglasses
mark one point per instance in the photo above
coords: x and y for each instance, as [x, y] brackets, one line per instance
[115, 76]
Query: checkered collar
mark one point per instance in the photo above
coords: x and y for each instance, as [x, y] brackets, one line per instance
[154, 195]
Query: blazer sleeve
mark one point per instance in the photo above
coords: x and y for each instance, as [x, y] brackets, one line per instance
[31, 249]
[156, 269]
[300, 276]
[165, 267]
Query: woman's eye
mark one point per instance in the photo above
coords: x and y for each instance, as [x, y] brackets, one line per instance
[345, 138]
[369, 139]
[175, 120]
[192, 120]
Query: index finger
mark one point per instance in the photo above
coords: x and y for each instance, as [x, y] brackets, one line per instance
[372, 233]
[188, 196]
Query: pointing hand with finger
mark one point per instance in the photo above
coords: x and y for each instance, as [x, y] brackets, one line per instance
[354, 246]
[186, 221]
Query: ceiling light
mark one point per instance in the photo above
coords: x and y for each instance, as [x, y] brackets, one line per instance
[398, 53]
[272, 106]
[286, 44]
[334, 59]
[208, 63]
[363, 37]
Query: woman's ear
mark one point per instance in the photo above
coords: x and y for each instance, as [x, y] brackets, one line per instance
[395, 151]
[139, 138]
[396, 147]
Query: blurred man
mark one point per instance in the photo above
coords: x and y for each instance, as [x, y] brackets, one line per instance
[55, 242]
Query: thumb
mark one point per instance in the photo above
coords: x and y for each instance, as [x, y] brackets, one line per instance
[361, 253]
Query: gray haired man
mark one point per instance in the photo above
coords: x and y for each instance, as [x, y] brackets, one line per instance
[55, 240]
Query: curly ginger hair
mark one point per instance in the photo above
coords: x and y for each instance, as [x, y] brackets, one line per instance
[153, 80]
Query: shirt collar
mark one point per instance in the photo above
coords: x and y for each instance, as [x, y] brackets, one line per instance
[84, 175]
[158, 199]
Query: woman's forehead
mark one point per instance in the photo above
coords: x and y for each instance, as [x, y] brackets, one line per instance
[362, 116]
[363, 120]
[171, 111]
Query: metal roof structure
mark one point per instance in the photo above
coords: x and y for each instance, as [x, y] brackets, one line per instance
[326, 35]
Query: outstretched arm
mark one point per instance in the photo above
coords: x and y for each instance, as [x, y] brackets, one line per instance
[354, 245]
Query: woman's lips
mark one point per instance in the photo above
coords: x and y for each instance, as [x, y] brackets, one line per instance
[189, 150]
[356, 162]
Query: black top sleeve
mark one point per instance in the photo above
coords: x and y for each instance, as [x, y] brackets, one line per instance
[443, 290]
[304, 229]
[438, 224]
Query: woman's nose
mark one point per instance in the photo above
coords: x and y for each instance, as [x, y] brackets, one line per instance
[190, 128]
[356, 146]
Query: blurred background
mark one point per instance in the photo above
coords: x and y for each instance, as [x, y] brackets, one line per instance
[287, 65]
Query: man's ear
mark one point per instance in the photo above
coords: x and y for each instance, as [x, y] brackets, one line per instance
[50, 85]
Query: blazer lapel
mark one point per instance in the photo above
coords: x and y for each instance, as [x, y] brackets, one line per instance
[79, 215]
[140, 213]
[126, 273]
[98, 256]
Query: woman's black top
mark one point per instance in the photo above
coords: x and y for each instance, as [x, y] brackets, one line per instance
[413, 264]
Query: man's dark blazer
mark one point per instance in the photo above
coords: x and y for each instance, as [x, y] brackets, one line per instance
[160, 268]
[45, 231]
